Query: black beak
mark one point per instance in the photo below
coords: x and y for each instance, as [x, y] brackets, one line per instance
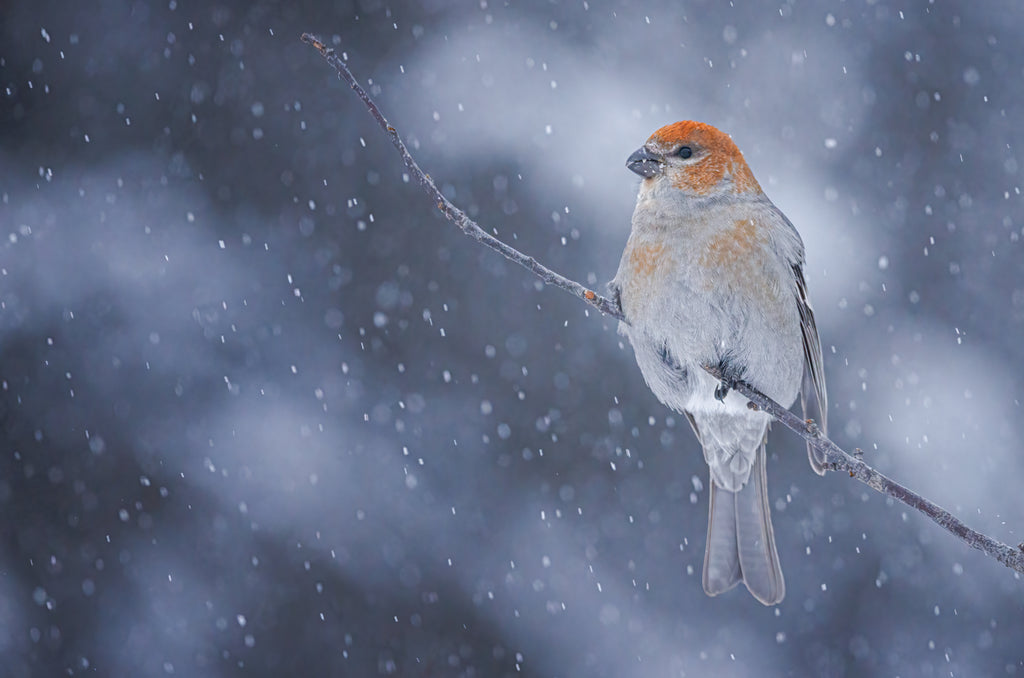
[644, 163]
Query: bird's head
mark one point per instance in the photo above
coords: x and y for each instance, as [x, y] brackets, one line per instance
[695, 158]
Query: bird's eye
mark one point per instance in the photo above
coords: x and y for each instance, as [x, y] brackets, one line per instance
[684, 152]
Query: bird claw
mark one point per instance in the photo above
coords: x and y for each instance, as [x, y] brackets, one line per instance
[728, 384]
[730, 374]
[722, 390]
[812, 428]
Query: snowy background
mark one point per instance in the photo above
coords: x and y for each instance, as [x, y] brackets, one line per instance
[265, 413]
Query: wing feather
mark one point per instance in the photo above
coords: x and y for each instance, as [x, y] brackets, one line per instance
[813, 396]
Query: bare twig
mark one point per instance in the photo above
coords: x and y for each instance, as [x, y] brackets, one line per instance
[838, 459]
[453, 213]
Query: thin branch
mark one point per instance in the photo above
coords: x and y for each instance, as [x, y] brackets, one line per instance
[837, 458]
[453, 213]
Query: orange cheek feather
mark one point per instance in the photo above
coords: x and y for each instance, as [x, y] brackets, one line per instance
[702, 178]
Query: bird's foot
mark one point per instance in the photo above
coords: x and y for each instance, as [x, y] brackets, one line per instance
[726, 385]
[730, 374]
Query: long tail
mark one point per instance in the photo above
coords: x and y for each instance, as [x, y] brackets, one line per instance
[741, 544]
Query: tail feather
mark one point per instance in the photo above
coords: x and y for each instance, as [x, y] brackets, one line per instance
[721, 556]
[741, 543]
[759, 560]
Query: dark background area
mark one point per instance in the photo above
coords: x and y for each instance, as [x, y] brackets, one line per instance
[266, 413]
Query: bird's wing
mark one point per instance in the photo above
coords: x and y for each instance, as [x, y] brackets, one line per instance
[813, 396]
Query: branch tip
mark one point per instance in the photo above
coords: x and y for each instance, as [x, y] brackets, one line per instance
[311, 39]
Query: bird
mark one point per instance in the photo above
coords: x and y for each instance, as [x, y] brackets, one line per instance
[712, 274]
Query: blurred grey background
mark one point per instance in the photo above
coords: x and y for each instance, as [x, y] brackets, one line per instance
[266, 413]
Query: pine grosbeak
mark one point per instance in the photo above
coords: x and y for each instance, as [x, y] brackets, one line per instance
[712, 274]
